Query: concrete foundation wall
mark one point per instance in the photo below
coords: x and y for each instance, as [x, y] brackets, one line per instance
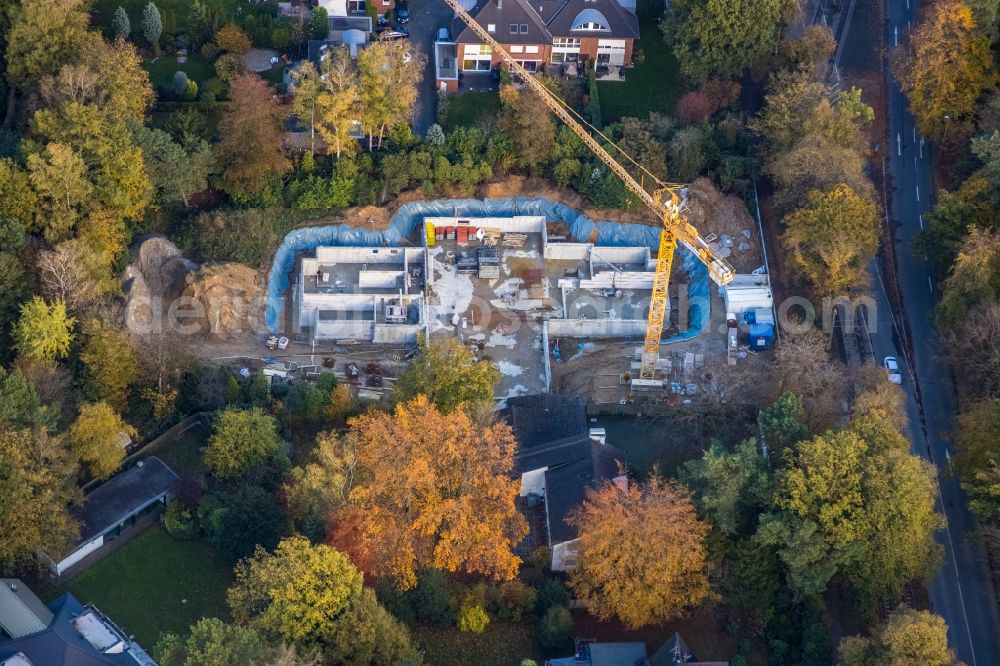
[340, 302]
[597, 328]
[363, 255]
[344, 329]
[396, 333]
[567, 251]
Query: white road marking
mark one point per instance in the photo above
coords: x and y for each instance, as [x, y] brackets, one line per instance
[921, 221]
[930, 285]
[899, 145]
[918, 192]
[921, 147]
[895, 35]
[914, 135]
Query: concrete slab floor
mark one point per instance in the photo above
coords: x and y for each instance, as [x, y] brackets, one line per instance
[497, 322]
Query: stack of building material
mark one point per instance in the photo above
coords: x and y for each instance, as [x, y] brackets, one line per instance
[489, 263]
[514, 239]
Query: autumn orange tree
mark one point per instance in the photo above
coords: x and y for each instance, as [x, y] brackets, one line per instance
[945, 67]
[437, 492]
[250, 138]
[641, 552]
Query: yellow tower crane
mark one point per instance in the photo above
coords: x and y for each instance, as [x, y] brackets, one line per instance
[667, 202]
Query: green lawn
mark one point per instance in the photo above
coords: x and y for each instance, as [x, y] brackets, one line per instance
[182, 453]
[467, 109]
[156, 584]
[161, 72]
[502, 644]
[655, 85]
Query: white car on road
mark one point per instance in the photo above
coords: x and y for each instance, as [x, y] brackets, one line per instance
[892, 370]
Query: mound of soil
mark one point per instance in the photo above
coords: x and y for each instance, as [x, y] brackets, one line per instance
[232, 300]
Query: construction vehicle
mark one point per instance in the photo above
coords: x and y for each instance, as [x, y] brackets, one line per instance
[667, 201]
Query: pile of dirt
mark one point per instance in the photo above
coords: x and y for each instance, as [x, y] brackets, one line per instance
[726, 217]
[368, 217]
[231, 298]
[155, 276]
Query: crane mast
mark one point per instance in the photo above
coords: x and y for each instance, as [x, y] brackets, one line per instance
[667, 203]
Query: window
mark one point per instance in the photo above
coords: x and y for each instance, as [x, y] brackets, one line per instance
[531, 49]
[516, 49]
[355, 6]
[560, 56]
[565, 49]
[386, 3]
[477, 58]
[590, 19]
[513, 28]
[491, 27]
[566, 43]
[530, 65]
[524, 28]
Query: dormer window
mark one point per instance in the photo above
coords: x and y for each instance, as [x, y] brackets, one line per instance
[513, 28]
[524, 28]
[592, 20]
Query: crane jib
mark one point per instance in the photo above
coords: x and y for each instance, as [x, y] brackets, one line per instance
[675, 225]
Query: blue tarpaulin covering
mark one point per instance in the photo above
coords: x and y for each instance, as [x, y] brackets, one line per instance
[410, 215]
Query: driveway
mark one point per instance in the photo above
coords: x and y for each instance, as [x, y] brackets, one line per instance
[426, 16]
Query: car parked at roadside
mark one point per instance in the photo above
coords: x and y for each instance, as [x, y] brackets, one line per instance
[892, 372]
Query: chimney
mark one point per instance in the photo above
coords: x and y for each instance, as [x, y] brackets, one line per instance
[499, 5]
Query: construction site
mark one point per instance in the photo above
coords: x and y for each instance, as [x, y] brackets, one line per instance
[523, 292]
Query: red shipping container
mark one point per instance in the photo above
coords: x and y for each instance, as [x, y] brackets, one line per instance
[472, 233]
[449, 233]
[463, 235]
[439, 233]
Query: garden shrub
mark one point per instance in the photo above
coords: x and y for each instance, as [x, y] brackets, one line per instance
[555, 631]
[180, 522]
[472, 618]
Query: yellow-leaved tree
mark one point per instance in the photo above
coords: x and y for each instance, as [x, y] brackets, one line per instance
[641, 552]
[437, 493]
[945, 67]
[95, 438]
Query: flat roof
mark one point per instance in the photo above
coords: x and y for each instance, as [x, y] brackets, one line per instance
[122, 495]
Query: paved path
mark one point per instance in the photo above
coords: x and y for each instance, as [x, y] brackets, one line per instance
[963, 591]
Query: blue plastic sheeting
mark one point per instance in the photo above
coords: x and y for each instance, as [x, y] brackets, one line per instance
[412, 215]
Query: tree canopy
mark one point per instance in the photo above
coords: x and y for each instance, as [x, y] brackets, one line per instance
[945, 67]
[44, 331]
[298, 592]
[618, 574]
[831, 239]
[240, 441]
[722, 37]
[445, 373]
[437, 492]
[94, 439]
[36, 474]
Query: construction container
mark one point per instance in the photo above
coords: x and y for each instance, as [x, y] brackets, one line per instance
[463, 235]
[450, 233]
[431, 234]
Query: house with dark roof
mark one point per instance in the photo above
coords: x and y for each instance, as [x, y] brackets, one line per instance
[556, 36]
[114, 507]
[674, 652]
[558, 459]
[63, 633]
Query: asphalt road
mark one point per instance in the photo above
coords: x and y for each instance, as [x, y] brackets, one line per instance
[963, 591]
